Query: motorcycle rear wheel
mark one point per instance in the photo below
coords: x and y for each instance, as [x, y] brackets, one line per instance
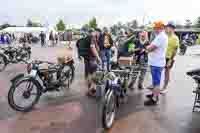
[3, 63]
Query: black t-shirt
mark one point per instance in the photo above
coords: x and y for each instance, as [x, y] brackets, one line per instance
[84, 46]
[42, 36]
[141, 46]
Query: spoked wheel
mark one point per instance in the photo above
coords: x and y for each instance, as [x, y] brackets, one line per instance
[109, 110]
[2, 63]
[71, 73]
[24, 95]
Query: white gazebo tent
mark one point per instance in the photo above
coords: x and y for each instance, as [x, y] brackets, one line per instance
[18, 31]
[24, 29]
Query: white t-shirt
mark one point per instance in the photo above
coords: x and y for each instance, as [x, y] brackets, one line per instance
[157, 57]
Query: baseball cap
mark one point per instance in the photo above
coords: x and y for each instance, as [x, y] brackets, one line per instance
[171, 24]
[158, 24]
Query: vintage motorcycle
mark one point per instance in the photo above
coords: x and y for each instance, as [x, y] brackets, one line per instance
[42, 77]
[195, 74]
[11, 55]
[114, 85]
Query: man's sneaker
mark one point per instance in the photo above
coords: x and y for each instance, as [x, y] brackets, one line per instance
[150, 87]
[164, 91]
[140, 87]
[149, 96]
[150, 102]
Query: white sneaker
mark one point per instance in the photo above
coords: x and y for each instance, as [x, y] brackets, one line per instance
[163, 91]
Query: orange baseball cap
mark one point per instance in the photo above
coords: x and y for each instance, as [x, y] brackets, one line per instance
[158, 25]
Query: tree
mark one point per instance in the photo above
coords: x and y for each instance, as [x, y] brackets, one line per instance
[93, 23]
[198, 22]
[60, 26]
[134, 24]
[5, 25]
[85, 27]
[30, 23]
[188, 23]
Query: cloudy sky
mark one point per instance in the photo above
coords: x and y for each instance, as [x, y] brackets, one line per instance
[107, 11]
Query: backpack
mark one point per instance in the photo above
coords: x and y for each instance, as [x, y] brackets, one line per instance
[84, 47]
[107, 41]
[131, 47]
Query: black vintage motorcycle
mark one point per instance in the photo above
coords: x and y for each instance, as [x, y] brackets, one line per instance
[195, 74]
[115, 91]
[11, 55]
[42, 77]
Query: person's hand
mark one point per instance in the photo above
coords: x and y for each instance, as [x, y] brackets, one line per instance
[98, 60]
[142, 51]
[146, 51]
[169, 63]
[79, 57]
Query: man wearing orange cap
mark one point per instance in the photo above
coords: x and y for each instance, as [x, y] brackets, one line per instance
[156, 61]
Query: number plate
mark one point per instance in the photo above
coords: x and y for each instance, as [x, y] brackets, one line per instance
[33, 73]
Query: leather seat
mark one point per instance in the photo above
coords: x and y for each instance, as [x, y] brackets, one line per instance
[196, 78]
[194, 72]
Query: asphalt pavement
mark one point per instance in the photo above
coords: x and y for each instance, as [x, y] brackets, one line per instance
[73, 112]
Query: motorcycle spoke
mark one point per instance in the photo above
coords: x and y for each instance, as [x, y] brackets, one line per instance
[19, 98]
[30, 86]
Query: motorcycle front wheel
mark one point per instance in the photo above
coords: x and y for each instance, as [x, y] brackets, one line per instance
[24, 95]
[3, 63]
[109, 110]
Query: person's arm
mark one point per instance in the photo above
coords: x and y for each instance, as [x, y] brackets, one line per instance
[111, 40]
[175, 50]
[137, 48]
[174, 53]
[150, 48]
[94, 49]
[154, 45]
[95, 53]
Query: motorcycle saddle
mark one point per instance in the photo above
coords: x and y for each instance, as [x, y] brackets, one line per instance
[196, 78]
[194, 72]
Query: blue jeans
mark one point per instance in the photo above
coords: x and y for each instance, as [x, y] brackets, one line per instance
[156, 75]
[105, 57]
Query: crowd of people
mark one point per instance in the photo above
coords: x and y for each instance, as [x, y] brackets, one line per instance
[55, 37]
[6, 38]
[158, 53]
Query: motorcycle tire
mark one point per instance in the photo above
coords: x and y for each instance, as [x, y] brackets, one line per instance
[109, 110]
[72, 69]
[3, 62]
[12, 90]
